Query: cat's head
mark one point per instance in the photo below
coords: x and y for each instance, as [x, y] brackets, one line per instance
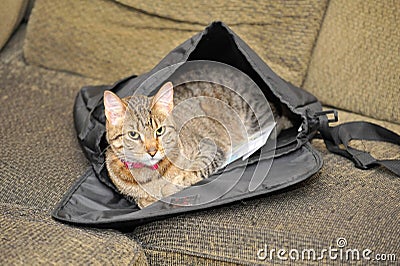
[137, 127]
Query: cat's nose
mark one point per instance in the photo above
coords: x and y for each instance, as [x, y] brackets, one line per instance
[152, 151]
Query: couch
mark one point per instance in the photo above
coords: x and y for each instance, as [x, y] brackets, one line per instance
[344, 52]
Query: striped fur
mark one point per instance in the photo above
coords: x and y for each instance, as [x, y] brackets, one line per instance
[199, 125]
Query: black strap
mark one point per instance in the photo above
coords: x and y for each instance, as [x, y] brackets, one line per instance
[337, 141]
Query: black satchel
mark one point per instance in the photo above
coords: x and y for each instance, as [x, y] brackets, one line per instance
[94, 201]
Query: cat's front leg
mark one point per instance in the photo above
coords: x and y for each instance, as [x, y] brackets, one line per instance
[188, 178]
[182, 178]
[170, 189]
[145, 201]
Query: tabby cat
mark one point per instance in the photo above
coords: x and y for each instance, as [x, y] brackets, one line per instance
[161, 144]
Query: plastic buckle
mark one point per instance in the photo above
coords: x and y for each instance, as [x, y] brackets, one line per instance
[334, 119]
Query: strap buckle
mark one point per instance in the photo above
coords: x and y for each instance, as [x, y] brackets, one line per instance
[333, 119]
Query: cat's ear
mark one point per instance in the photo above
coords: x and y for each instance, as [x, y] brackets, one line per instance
[163, 101]
[114, 108]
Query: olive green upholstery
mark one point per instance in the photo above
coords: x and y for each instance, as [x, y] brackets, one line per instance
[115, 39]
[356, 60]
[344, 52]
[11, 14]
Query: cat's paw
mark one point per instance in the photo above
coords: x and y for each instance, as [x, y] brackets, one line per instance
[144, 202]
[186, 179]
[170, 189]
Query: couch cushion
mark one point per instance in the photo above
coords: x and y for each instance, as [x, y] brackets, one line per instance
[29, 236]
[339, 201]
[11, 14]
[114, 39]
[356, 61]
[40, 159]
[40, 156]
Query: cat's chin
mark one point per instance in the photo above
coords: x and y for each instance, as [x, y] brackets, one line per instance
[151, 162]
[148, 162]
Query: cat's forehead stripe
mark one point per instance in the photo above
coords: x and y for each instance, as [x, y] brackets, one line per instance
[138, 100]
[136, 115]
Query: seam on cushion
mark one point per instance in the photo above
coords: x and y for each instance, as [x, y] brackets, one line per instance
[156, 15]
[140, 255]
[315, 43]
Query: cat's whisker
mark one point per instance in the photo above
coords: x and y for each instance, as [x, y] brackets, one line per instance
[105, 149]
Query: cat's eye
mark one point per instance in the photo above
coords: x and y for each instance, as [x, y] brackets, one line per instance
[134, 135]
[160, 131]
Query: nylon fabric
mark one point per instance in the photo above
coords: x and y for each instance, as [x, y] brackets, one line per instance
[344, 133]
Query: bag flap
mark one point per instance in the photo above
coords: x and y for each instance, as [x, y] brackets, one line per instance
[92, 203]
